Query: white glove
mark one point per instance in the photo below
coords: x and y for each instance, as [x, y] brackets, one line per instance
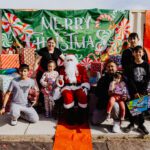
[60, 81]
[85, 90]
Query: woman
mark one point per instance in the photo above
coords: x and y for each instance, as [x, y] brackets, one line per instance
[44, 55]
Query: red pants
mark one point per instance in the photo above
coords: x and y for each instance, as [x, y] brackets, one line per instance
[112, 100]
[70, 95]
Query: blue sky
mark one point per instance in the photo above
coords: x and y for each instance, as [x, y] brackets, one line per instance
[76, 4]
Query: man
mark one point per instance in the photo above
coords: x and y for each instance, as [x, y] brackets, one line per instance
[76, 84]
[100, 114]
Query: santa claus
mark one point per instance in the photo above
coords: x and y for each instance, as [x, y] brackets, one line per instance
[75, 85]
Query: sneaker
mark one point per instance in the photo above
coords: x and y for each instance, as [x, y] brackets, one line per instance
[121, 121]
[13, 122]
[143, 129]
[116, 127]
[129, 128]
[108, 117]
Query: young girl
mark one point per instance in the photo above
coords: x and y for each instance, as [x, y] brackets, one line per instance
[118, 93]
[48, 82]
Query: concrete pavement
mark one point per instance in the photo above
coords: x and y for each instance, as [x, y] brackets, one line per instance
[46, 128]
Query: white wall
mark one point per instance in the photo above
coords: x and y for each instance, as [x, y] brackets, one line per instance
[137, 21]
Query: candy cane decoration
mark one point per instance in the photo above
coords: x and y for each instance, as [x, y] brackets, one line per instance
[95, 58]
[86, 62]
[101, 17]
[6, 40]
[12, 24]
[123, 29]
[30, 45]
[27, 34]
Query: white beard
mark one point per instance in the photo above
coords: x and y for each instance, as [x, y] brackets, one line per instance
[71, 71]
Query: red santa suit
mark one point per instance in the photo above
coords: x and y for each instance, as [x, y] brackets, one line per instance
[76, 90]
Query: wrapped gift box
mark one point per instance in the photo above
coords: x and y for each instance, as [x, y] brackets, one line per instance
[27, 56]
[8, 51]
[9, 61]
[95, 68]
[117, 60]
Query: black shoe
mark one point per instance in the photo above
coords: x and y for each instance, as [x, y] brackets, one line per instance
[129, 128]
[142, 129]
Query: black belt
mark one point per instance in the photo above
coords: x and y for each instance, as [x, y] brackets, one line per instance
[74, 84]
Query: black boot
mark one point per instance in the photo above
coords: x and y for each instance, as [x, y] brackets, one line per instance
[82, 115]
[70, 116]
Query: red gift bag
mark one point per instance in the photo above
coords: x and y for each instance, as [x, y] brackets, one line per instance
[33, 94]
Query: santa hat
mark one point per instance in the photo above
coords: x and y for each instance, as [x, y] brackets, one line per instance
[71, 56]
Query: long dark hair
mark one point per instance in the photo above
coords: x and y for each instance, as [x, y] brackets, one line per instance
[51, 38]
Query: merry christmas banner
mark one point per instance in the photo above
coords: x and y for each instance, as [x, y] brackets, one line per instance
[90, 34]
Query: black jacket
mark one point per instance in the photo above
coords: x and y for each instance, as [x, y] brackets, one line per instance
[128, 59]
[138, 76]
[102, 91]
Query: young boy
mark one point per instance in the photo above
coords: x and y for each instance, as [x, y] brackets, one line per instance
[138, 78]
[19, 105]
[127, 57]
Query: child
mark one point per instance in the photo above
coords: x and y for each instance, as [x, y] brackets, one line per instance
[118, 92]
[127, 57]
[138, 78]
[19, 104]
[48, 82]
